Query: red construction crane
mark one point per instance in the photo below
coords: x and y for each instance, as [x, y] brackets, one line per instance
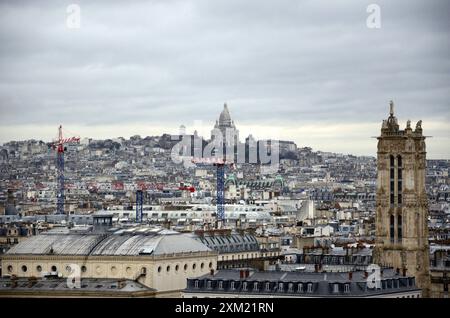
[58, 145]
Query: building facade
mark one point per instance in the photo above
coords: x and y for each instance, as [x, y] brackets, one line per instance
[402, 206]
[158, 259]
[280, 284]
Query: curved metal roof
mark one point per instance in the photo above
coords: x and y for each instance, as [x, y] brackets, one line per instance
[113, 244]
[57, 244]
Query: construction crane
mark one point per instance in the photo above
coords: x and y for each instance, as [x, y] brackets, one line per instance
[220, 183]
[139, 205]
[59, 146]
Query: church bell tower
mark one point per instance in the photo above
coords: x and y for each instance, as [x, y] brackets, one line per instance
[402, 206]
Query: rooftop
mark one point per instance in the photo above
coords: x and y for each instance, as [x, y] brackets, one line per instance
[144, 241]
[298, 284]
[58, 286]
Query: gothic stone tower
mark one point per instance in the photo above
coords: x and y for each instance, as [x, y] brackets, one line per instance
[402, 206]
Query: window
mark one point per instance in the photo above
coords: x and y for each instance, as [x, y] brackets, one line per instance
[54, 269]
[392, 175]
[392, 228]
[10, 268]
[232, 286]
[168, 268]
[392, 193]
[310, 288]
[244, 286]
[24, 268]
[267, 286]
[83, 269]
[159, 269]
[336, 288]
[202, 265]
[209, 284]
[210, 264]
[347, 288]
[399, 227]
[185, 267]
[194, 266]
[280, 287]
[290, 287]
[255, 286]
[177, 267]
[399, 182]
[300, 288]
[196, 284]
[39, 268]
[220, 284]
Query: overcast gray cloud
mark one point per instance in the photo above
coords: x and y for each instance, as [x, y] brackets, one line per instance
[310, 71]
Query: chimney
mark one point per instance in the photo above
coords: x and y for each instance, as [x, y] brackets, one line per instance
[350, 275]
[404, 271]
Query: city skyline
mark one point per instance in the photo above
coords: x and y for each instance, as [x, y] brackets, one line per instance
[203, 130]
[310, 72]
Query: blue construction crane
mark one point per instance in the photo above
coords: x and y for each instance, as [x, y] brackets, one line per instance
[139, 205]
[220, 192]
[220, 182]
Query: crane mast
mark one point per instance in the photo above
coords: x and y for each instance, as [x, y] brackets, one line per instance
[59, 146]
[60, 175]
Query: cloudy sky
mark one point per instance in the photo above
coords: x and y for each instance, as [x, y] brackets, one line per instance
[308, 71]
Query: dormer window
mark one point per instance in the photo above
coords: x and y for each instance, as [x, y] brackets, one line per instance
[232, 286]
[220, 285]
[336, 288]
[196, 284]
[280, 287]
[267, 286]
[244, 286]
[347, 288]
[290, 287]
[300, 288]
[310, 287]
[255, 286]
